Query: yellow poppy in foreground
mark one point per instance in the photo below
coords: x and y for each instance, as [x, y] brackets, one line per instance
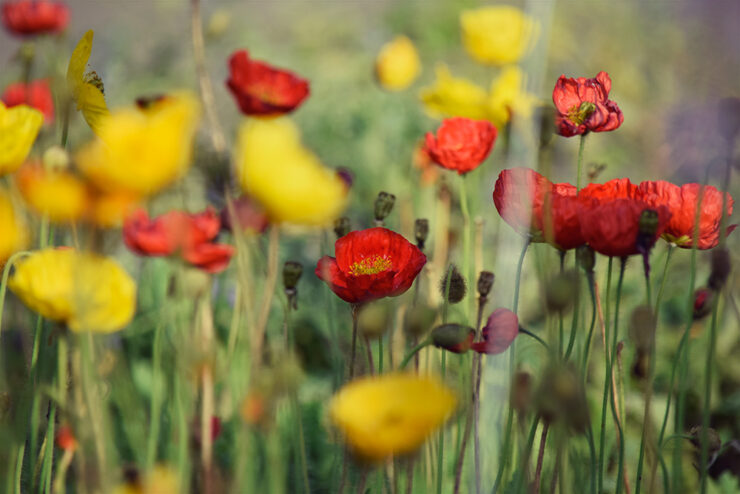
[86, 87]
[398, 64]
[141, 151]
[19, 127]
[498, 35]
[454, 97]
[14, 235]
[57, 194]
[288, 180]
[392, 414]
[86, 291]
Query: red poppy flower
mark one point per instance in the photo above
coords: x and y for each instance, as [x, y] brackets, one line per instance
[24, 17]
[461, 144]
[583, 105]
[35, 94]
[261, 89]
[682, 202]
[499, 332]
[618, 188]
[65, 438]
[371, 264]
[189, 235]
[563, 226]
[612, 226]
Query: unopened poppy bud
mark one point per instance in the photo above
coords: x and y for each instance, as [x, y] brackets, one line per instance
[640, 366]
[453, 337]
[521, 392]
[342, 226]
[721, 266]
[421, 232]
[485, 283]
[729, 118]
[642, 328]
[714, 442]
[55, 158]
[374, 319]
[292, 272]
[383, 206]
[561, 396]
[419, 319]
[703, 300]
[649, 221]
[586, 258]
[500, 331]
[453, 286]
[561, 291]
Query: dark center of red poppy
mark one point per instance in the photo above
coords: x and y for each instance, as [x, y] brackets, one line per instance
[371, 265]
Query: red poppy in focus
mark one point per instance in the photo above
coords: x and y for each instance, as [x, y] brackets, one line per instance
[189, 235]
[682, 202]
[499, 332]
[263, 90]
[248, 216]
[583, 105]
[35, 94]
[612, 227]
[563, 226]
[25, 17]
[461, 144]
[371, 264]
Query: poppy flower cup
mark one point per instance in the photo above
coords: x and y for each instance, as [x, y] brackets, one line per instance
[461, 144]
[583, 105]
[371, 264]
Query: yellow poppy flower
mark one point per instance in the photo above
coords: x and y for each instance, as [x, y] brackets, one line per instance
[392, 414]
[86, 291]
[141, 151]
[508, 97]
[109, 209]
[161, 480]
[286, 178]
[19, 127]
[86, 88]
[498, 35]
[398, 64]
[454, 97]
[14, 235]
[56, 194]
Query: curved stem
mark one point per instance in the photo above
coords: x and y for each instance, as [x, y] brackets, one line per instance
[411, 354]
[540, 457]
[592, 290]
[579, 166]
[708, 367]
[537, 338]
[607, 380]
[617, 421]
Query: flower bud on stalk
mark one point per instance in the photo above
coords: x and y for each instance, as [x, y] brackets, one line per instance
[521, 393]
[642, 333]
[421, 232]
[714, 441]
[418, 320]
[485, 283]
[721, 267]
[342, 226]
[292, 272]
[453, 337]
[586, 258]
[561, 291]
[374, 320]
[562, 396]
[383, 207]
[703, 301]
[648, 226]
[457, 286]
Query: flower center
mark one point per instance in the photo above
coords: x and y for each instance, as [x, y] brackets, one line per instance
[371, 265]
[579, 114]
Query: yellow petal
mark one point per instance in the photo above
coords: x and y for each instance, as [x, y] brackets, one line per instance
[454, 97]
[19, 127]
[78, 61]
[91, 102]
[14, 233]
[398, 64]
[498, 34]
[508, 97]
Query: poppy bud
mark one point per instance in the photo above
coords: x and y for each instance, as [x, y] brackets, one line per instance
[561, 291]
[485, 283]
[649, 222]
[55, 158]
[346, 175]
[521, 392]
[721, 266]
[342, 226]
[292, 272]
[642, 328]
[500, 331]
[419, 319]
[453, 337]
[714, 442]
[729, 118]
[703, 301]
[383, 206]
[421, 232]
[457, 286]
[586, 258]
[374, 319]
[640, 366]
[561, 396]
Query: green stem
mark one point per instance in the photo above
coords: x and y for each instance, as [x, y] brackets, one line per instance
[411, 354]
[156, 402]
[581, 144]
[607, 382]
[662, 280]
[709, 366]
[620, 468]
[4, 282]
[49, 451]
[380, 354]
[592, 290]
[19, 468]
[466, 237]
[532, 335]
[441, 447]
[574, 322]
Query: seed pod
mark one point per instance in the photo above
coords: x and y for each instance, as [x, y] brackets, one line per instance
[383, 206]
[453, 337]
[561, 291]
[721, 267]
[586, 258]
[562, 397]
[342, 226]
[374, 319]
[418, 320]
[642, 328]
[714, 442]
[457, 286]
[485, 283]
[521, 392]
[292, 272]
[421, 232]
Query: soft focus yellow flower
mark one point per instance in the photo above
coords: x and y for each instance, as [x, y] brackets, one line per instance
[19, 127]
[56, 194]
[161, 480]
[398, 64]
[290, 182]
[497, 35]
[390, 414]
[142, 151]
[86, 291]
[454, 97]
[508, 97]
[13, 233]
[109, 209]
[86, 88]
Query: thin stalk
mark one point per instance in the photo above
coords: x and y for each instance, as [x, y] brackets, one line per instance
[587, 346]
[380, 355]
[540, 457]
[413, 352]
[537, 338]
[18, 468]
[579, 166]
[622, 265]
[607, 380]
[441, 446]
[574, 322]
[466, 234]
[662, 280]
[155, 407]
[708, 367]
[370, 363]
[353, 352]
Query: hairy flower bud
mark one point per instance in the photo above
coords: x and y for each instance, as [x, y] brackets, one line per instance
[703, 301]
[419, 319]
[383, 206]
[714, 441]
[342, 226]
[562, 396]
[521, 392]
[421, 232]
[721, 267]
[453, 337]
[586, 258]
[292, 272]
[485, 283]
[642, 328]
[453, 286]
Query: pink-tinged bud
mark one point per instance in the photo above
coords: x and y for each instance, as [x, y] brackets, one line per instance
[703, 301]
[499, 332]
[453, 337]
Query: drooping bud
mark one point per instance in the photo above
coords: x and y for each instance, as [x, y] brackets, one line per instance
[647, 228]
[561, 396]
[561, 291]
[342, 226]
[500, 331]
[383, 206]
[649, 221]
[642, 328]
[292, 272]
[728, 117]
[419, 319]
[586, 258]
[485, 283]
[421, 232]
[703, 301]
[453, 286]
[453, 337]
[374, 319]
[714, 441]
[521, 392]
[721, 266]
[55, 158]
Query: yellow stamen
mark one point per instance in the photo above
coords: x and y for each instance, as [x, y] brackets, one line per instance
[371, 265]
